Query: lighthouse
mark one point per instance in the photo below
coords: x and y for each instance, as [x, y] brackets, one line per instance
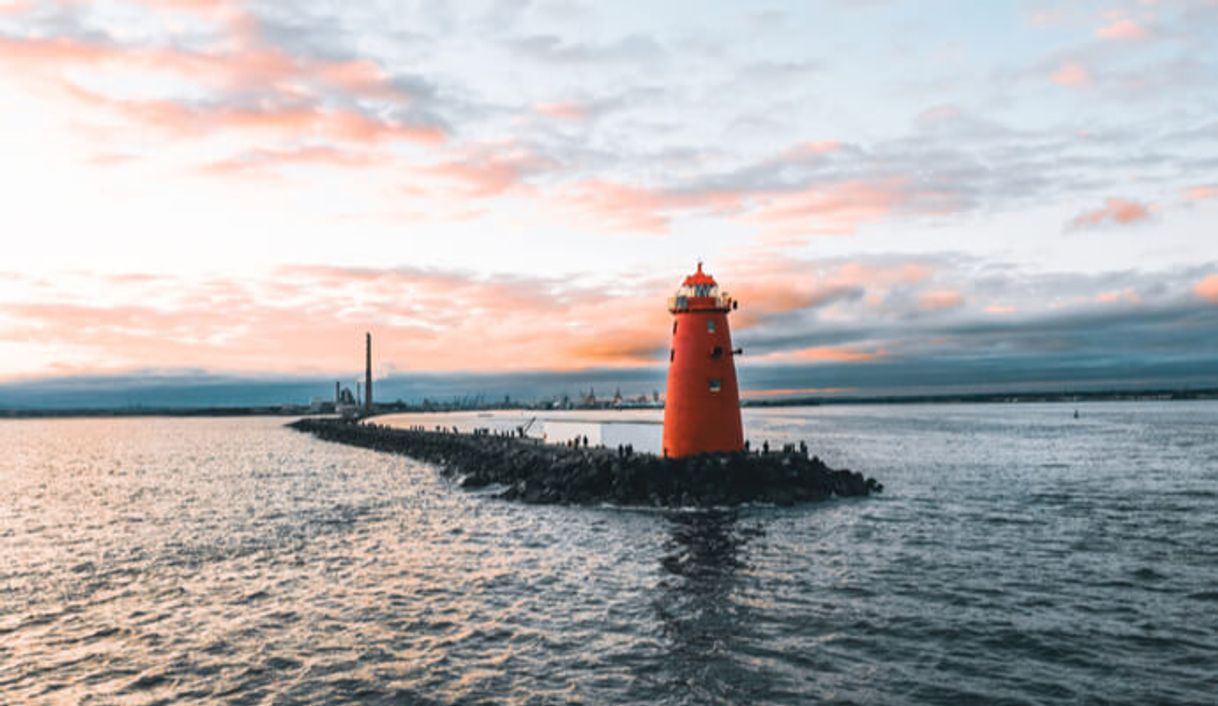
[702, 406]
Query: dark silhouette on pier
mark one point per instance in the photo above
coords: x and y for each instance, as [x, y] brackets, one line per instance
[532, 471]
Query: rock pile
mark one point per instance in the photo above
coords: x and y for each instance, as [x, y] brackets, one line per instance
[535, 472]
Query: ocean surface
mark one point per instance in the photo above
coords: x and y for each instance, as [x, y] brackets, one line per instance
[1017, 556]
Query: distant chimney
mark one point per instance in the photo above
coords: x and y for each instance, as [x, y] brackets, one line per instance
[338, 395]
[368, 372]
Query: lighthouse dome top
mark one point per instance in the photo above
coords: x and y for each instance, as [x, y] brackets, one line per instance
[700, 291]
[699, 278]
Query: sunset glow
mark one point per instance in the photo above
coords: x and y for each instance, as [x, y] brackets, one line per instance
[245, 188]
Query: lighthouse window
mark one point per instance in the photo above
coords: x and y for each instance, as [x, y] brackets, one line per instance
[717, 352]
[710, 325]
[715, 384]
[672, 354]
[674, 328]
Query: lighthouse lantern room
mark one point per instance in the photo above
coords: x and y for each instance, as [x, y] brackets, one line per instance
[702, 405]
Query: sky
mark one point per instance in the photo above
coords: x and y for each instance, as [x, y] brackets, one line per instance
[902, 195]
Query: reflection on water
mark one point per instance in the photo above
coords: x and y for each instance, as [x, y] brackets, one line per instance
[1017, 556]
[702, 620]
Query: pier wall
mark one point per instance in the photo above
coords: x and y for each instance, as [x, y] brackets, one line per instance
[532, 471]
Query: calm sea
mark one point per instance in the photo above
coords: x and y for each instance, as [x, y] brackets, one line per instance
[1018, 556]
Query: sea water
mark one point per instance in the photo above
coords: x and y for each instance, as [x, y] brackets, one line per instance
[1017, 555]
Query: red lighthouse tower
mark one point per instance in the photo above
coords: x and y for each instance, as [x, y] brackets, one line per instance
[702, 406]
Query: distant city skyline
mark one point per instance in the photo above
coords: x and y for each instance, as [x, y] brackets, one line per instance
[903, 196]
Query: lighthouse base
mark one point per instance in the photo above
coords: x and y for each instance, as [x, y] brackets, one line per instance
[528, 470]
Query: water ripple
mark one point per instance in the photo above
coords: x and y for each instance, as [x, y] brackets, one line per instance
[1016, 557]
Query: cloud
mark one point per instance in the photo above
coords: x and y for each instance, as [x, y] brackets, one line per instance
[839, 208]
[492, 170]
[1127, 295]
[634, 48]
[826, 354]
[234, 81]
[565, 110]
[424, 319]
[259, 161]
[1207, 288]
[798, 316]
[782, 213]
[1201, 193]
[940, 300]
[811, 149]
[1113, 212]
[1124, 29]
[1071, 74]
[647, 210]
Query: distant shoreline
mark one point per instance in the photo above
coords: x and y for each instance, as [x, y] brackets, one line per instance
[302, 410]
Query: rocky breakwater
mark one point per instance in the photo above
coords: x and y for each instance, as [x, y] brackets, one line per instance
[535, 472]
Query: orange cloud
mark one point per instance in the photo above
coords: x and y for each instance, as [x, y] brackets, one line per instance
[826, 354]
[423, 320]
[1201, 193]
[15, 7]
[1127, 295]
[1071, 74]
[824, 208]
[811, 149]
[1207, 289]
[1114, 211]
[940, 299]
[647, 210]
[833, 208]
[565, 110]
[1000, 309]
[288, 121]
[1122, 29]
[256, 161]
[772, 285]
[289, 89]
[492, 170]
[881, 275]
[247, 68]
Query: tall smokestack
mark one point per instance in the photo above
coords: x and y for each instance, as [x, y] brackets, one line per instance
[368, 372]
[338, 394]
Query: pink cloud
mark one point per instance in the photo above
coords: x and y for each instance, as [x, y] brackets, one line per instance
[644, 209]
[15, 7]
[1201, 193]
[289, 121]
[940, 300]
[1000, 309]
[1127, 295]
[492, 170]
[290, 89]
[1125, 29]
[823, 208]
[810, 149]
[837, 355]
[825, 354]
[1071, 74]
[767, 286]
[564, 110]
[258, 161]
[423, 319]
[1207, 288]
[251, 66]
[838, 208]
[1114, 211]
